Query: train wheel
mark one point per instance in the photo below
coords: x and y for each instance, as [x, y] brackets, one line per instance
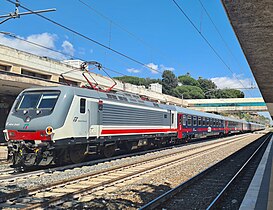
[76, 153]
[108, 150]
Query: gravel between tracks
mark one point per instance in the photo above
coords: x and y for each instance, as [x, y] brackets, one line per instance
[4, 165]
[49, 178]
[134, 195]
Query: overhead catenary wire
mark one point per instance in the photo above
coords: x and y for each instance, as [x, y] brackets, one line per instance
[221, 36]
[207, 42]
[88, 38]
[139, 39]
[57, 51]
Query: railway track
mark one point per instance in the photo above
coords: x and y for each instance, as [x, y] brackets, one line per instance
[9, 175]
[221, 186]
[59, 192]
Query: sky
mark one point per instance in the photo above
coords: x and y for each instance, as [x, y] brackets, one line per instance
[153, 32]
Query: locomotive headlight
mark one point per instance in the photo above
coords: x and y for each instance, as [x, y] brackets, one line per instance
[11, 134]
[49, 130]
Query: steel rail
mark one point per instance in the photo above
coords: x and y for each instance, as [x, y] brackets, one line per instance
[92, 162]
[171, 193]
[110, 170]
[221, 194]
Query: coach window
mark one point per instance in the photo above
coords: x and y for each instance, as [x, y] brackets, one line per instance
[82, 105]
[199, 121]
[184, 119]
[189, 120]
[194, 121]
[207, 121]
[172, 118]
[204, 121]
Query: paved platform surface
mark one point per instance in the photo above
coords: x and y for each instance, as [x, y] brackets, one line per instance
[260, 192]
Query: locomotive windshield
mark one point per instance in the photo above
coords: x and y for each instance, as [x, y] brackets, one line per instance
[38, 100]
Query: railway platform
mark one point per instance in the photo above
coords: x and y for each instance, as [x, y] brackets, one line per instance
[260, 192]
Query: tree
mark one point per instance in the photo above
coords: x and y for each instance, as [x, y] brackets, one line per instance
[229, 93]
[188, 80]
[132, 80]
[151, 81]
[206, 84]
[169, 82]
[138, 81]
[188, 92]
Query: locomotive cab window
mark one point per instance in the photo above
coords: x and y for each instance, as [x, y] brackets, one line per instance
[48, 101]
[82, 105]
[38, 100]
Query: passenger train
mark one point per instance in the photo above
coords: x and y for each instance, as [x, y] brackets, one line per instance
[65, 124]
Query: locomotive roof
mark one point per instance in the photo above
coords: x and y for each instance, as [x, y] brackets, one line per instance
[129, 98]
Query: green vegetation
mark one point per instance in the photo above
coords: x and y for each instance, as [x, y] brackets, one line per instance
[188, 91]
[138, 81]
[185, 86]
[169, 82]
[252, 117]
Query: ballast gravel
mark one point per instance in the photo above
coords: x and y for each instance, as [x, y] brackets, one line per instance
[133, 196]
[49, 178]
[4, 165]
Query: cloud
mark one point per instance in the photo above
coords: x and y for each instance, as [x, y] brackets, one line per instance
[44, 39]
[68, 48]
[236, 82]
[163, 68]
[132, 70]
[153, 68]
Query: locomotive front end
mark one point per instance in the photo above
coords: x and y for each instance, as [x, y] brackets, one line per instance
[30, 128]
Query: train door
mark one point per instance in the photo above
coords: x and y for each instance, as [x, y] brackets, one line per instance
[226, 127]
[94, 112]
[82, 119]
[180, 125]
[172, 120]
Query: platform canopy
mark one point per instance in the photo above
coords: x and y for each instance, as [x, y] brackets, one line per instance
[252, 22]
